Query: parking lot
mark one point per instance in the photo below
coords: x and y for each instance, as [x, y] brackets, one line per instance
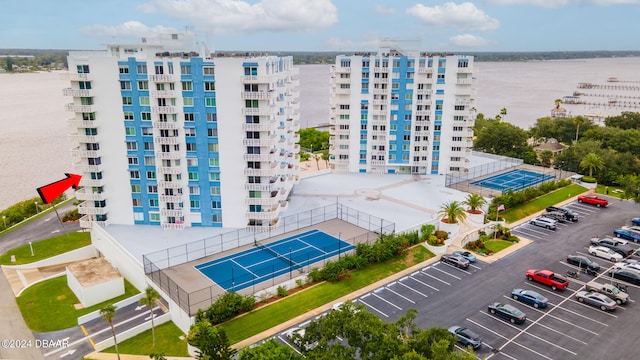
[445, 295]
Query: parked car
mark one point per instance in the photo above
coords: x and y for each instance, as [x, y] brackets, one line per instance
[626, 265]
[556, 215]
[296, 336]
[627, 234]
[466, 254]
[530, 297]
[544, 222]
[626, 275]
[466, 337]
[508, 312]
[611, 291]
[548, 278]
[593, 200]
[633, 227]
[612, 244]
[583, 262]
[605, 253]
[608, 241]
[596, 299]
[455, 260]
[635, 221]
[568, 214]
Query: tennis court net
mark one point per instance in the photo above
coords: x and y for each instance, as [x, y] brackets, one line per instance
[290, 262]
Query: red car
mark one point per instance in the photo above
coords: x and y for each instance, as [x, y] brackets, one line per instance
[593, 200]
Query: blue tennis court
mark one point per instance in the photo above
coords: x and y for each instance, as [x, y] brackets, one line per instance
[514, 180]
[263, 262]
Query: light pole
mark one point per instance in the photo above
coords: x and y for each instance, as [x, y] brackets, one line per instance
[36, 204]
[4, 219]
[31, 247]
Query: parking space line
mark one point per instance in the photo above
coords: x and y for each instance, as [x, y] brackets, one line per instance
[545, 289]
[451, 266]
[402, 296]
[362, 301]
[475, 267]
[423, 283]
[580, 315]
[387, 301]
[486, 328]
[410, 288]
[557, 318]
[593, 308]
[563, 334]
[460, 348]
[527, 235]
[435, 278]
[289, 345]
[509, 340]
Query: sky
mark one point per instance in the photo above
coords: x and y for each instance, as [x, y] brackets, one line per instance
[327, 25]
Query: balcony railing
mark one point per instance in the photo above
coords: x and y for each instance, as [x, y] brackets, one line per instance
[77, 152]
[88, 182]
[87, 168]
[76, 92]
[260, 157]
[73, 122]
[163, 93]
[260, 172]
[258, 95]
[169, 170]
[171, 198]
[258, 79]
[177, 184]
[260, 187]
[77, 77]
[79, 108]
[171, 212]
[166, 125]
[172, 226]
[257, 127]
[269, 142]
[265, 215]
[425, 70]
[173, 140]
[161, 77]
[163, 109]
[89, 210]
[86, 195]
[259, 111]
[270, 201]
[171, 155]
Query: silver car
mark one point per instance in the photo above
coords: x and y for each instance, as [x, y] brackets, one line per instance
[544, 222]
[596, 299]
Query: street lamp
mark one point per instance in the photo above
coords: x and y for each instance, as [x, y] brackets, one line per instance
[36, 204]
[4, 219]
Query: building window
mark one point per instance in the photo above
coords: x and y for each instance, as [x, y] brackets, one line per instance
[193, 176]
[209, 86]
[125, 85]
[134, 174]
[127, 100]
[123, 69]
[187, 86]
[141, 68]
[82, 69]
[152, 189]
[216, 218]
[212, 117]
[153, 202]
[214, 176]
[214, 162]
[130, 131]
[192, 161]
[189, 117]
[185, 69]
[144, 100]
[189, 132]
[136, 202]
[191, 147]
[208, 70]
[132, 160]
[194, 190]
[148, 146]
[213, 147]
[188, 101]
[195, 204]
[132, 146]
[154, 216]
[210, 102]
[212, 132]
[216, 204]
[151, 175]
[214, 190]
[135, 188]
[147, 131]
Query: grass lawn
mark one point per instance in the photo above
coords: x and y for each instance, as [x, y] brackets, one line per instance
[613, 191]
[46, 248]
[167, 342]
[540, 203]
[497, 245]
[269, 316]
[48, 306]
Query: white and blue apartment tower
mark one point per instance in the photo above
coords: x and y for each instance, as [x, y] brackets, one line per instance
[401, 112]
[176, 138]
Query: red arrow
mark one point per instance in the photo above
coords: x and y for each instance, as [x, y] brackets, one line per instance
[49, 192]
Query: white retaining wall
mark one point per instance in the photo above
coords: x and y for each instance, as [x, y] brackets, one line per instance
[129, 333]
[96, 314]
[84, 253]
[131, 268]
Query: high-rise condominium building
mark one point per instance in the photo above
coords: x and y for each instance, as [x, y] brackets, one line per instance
[179, 138]
[401, 112]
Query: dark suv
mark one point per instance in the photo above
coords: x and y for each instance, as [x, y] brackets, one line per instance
[568, 214]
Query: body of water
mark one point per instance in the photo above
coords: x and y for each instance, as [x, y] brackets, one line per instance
[34, 146]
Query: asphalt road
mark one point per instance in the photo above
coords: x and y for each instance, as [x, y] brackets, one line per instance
[446, 296]
[42, 228]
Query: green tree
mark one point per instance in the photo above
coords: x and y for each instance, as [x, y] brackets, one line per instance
[108, 312]
[150, 297]
[503, 112]
[452, 211]
[271, 350]
[157, 356]
[591, 162]
[577, 121]
[546, 158]
[626, 120]
[212, 343]
[314, 139]
[325, 157]
[502, 138]
[475, 202]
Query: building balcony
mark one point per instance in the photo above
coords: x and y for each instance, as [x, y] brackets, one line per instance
[73, 122]
[268, 142]
[169, 169]
[88, 182]
[82, 153]
[338, 69]
[163, 109]
[258, 95]
[171, 198]
[270, 157]
[259, 79]
[463, 102]
[260, 172]
[166, 125]
[464, 70]
[423, 91]
[86, 222]
[422, 112]
[379, 112]
[378, 162]
[378, 91]
[163, 94]
[161, 77]
[172, 212]
[76, 92]
[341, 91]
[421, 133]
[381, 69]
[260, 187]
[173, 140]
[170, 155]
[425, 70]
[258, 127]
[265, 215]
[84, 167]
[269, 201]
[84, 209]
[468, 81]
[79, 108]
[176, 184]
[284, 204]
[172, 226]
[423, 102]
[380, 102]
[85, 194]
[77, 77]
[271, 110]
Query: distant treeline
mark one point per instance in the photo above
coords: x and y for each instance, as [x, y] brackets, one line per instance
[39, 59]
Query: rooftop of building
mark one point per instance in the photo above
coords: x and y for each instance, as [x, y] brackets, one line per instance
[93, 271]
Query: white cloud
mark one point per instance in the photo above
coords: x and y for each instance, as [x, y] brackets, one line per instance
[463, 16]
[343, 44]
[128, 29]
[217, 16]
[468, 40]
[381, 9]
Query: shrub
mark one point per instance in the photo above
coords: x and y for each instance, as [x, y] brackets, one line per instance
[229, 305]
[588, 179]
[442, 235]
[72, 215]
[282, 291]
[426, 230]
[299, 282]
[433, 241]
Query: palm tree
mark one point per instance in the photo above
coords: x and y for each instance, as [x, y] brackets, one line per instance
[592, 161]
[452, 211]
[107, 313]
[503, 112]
[475, 202]
[558, 102]
[577, 121]
[149, 298]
